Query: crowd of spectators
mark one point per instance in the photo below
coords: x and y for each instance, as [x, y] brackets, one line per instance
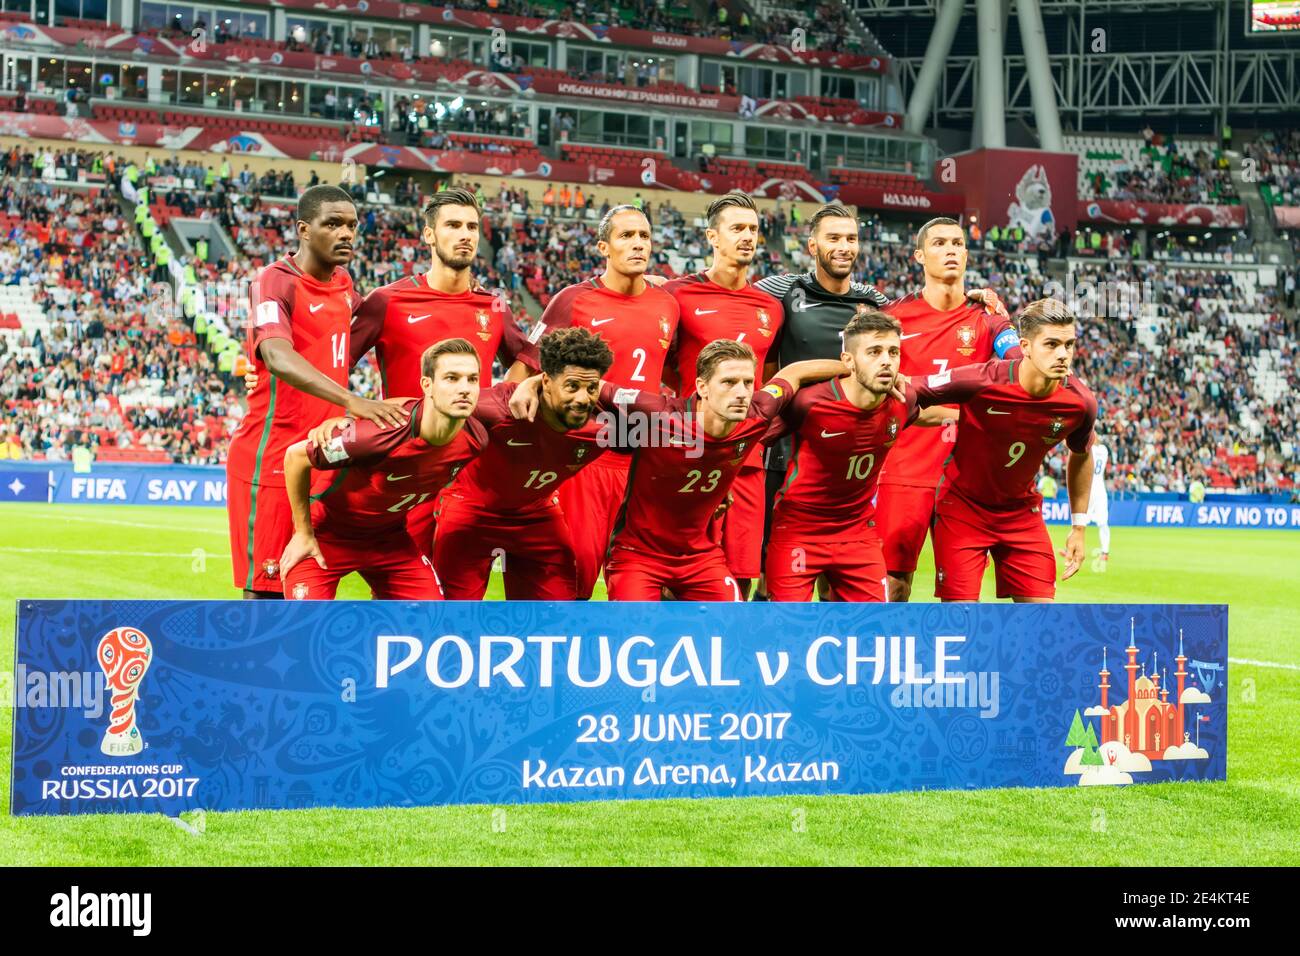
[1179, 398]
[1277, 158]
[1167, 173]
[430, 121]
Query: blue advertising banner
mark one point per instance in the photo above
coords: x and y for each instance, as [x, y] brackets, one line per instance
[168, 706]
[205, 485]
[1145, 513]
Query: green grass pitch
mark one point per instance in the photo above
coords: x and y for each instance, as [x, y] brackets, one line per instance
[1253, 819]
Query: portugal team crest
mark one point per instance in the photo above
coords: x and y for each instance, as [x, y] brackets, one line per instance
[300, 591]
[1057, 424]
[966, 340]
[481, 317]
[666, 330]
[271, 567]
[124, 654]
[764, 323]
[893, 429]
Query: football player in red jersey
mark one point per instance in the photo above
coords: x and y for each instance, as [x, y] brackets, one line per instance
[350, 496]
[1014, 411]
[721, 303]
[822, 518]
[504, 503]
[679, 480]
[298, 328]
[402, 319]
[638, 321]
[943, 329]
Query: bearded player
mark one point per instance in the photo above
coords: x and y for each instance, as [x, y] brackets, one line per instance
[637, 320]
[1014, 411]
[350, 495]
[943, 329]
[504, 504]
[402, 319]
[721, 303]
[823, 521]
[299, 326]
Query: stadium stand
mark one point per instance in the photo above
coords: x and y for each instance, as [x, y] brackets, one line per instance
[1152, 168]
[1278, 157]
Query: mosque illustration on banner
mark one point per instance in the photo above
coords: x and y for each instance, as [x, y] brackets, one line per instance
[1146, 727]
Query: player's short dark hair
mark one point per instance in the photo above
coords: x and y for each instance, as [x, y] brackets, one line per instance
[1039, 314]
[606, 224]
[936, 221]
[574, 346]
[313, 197]
[869, 320]
[732, 200]
[429, 360]
[832, 210]
[455, 196]
[719, 351]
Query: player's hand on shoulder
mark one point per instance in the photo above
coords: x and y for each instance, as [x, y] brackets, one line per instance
[992, 302]
[655, 280]
[381, 413]
[901, 384]
[526, 398]
[322, 433]
[723, 505]
[301, 546]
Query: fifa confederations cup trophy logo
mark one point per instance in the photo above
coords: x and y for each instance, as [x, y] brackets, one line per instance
[124, 654]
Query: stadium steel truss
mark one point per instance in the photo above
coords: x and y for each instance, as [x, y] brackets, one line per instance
[1214, 70]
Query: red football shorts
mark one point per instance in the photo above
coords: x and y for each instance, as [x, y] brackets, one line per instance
[261, 524]
[640, 576]
[393, 567]
[591, 501]
[855, 568]
[742, 523]
[534, 547]
[966, 535]
[903, 514]
[421, 522]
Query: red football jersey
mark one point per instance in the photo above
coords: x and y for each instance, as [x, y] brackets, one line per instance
[316, 317]
[402, 319]
[1004, 433]
[839, 450]
[933, 343]
[638, 328]
[674, 490]
[710, 311]
[524, 461]
[368, 475]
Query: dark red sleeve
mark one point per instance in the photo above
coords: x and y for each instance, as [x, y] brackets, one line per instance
[494, 404]
[955, 385]
[368, 323]
[772, 399]
[910, 403]
[360, 442]
[627, 400]
[513, 341]
[271, 299]
[558, 315]
[791, 420]
[1081, 439]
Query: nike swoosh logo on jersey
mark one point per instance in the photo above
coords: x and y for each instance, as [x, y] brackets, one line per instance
[826, 434]
[316, 308]
[517, 444]
[805, 306]
[397, 477]
[596, 322]
[705, 311]
[911, 335]
[418, 318]
[995, 411]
